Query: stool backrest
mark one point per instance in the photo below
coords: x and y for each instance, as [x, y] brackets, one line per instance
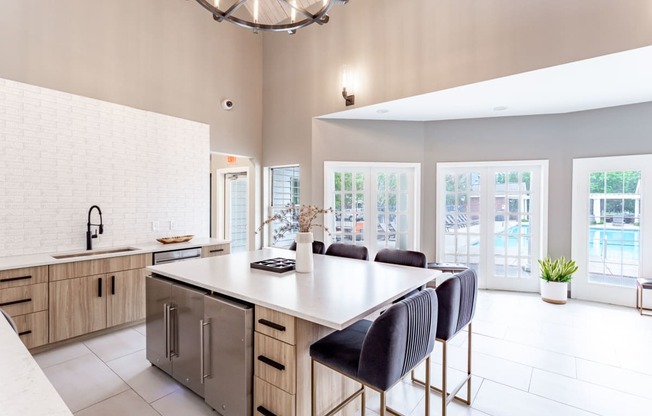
[398, 340]
[317, 247]
[348, 250]
[402, 257]
[457, 296]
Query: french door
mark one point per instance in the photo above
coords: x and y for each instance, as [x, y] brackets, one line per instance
[375, 205]
[609, 226]
[491, 217]
[236, 201]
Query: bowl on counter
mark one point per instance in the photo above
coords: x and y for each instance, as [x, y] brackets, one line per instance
[176, 239]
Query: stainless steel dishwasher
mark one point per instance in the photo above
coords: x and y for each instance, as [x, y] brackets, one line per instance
[171, 256]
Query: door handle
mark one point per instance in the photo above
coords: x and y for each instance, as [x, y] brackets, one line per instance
[113, 285]
[172, 324]
[99, 287]
[271, 363]
[166, 324]
[264, 412]
[203, 374]
[272, 325]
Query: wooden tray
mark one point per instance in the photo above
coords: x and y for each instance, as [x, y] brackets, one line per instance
[276, 265]
[177, 239]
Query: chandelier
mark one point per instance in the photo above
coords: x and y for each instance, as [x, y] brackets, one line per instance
[271, 15]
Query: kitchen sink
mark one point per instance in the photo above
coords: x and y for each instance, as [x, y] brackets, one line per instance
[94, 253]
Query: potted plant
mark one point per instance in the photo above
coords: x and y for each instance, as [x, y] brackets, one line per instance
[555, 276]
[300, 220]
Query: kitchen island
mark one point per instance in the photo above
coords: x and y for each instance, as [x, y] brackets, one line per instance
[307, 306]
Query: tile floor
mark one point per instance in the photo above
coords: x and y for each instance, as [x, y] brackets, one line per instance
[530, 359]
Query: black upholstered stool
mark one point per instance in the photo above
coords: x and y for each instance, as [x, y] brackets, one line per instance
[348, 250]
[403, 258]
[378, 354]
[457, 298]
[5, 315]
[641, 285]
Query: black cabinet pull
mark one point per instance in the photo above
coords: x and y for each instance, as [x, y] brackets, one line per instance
[271, 362]
[113, 285]
[271, 324]
[13, 279]
[24, 333]
[264, 411]
[99, 287]
[15, 302]
[218, 250]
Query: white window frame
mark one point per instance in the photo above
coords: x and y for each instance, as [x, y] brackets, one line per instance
[269, 200]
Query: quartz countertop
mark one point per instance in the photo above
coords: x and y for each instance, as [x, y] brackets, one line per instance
[24, 389]
[339, 292]
[44, 259]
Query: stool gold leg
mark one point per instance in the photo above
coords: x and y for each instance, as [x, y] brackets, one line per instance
[468, 367]
[383, 404]
[428, 386]
[313, 393]
[444, 387]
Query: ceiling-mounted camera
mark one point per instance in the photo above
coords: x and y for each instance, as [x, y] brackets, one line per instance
[227, 104]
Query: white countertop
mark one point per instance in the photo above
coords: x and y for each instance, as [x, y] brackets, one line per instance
[24, 389]
[44, 259]
[339, 292]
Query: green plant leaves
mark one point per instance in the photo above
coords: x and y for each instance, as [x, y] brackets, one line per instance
[559, 270]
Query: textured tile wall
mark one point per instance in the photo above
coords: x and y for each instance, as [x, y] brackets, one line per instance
[61, 153]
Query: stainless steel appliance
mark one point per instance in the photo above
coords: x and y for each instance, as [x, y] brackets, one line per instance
[174, 312]
[204, 341]
[228, 365]
[172, 256]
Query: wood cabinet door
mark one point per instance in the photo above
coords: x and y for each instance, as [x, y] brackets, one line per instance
[77, 306]
[125, 297]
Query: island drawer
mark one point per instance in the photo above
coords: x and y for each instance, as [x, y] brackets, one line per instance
[218, 250]
[269, 399]
[275, 362]
[275, 324]
[21, 300]
[33, 328]
[23, 277]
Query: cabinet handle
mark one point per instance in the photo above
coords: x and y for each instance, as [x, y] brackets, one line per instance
[13, 279]
[271, 324]
[172, 332]
[264, 411]
[166, 324]
[217, 250]
[99, 287]
[271, 362]
[113, 285]
[202, 374]
[20, 334]
[15, 302]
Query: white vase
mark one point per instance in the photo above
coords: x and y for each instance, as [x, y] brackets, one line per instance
[554, 292]
[304, 262]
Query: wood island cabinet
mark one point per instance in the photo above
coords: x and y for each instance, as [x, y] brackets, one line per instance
[216, 250]
[113, 294]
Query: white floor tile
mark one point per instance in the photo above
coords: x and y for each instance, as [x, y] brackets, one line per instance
[84, 381]
[61, 354]
[182, 402]
[116, 344]
[498, 400]
[142, 328]
[591, 397]
[148, 381]
[620, 379]
[127, 403]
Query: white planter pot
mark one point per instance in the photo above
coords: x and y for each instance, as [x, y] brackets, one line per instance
[304, 262]
[554, 292]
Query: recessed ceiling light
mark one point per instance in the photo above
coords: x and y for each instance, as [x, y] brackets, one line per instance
[382, 111]
[500, 108]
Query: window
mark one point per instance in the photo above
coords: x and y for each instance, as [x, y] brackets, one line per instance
[375, 205]
[284, 190]
[491, 217]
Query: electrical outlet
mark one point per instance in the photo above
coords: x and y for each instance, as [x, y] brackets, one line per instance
[154, 225]
[172, 225]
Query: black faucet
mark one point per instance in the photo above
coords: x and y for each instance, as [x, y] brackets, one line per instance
[89, 245]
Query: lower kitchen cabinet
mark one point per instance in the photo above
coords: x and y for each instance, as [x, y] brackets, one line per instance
[126, 297]
[77, 307]
[33, 328]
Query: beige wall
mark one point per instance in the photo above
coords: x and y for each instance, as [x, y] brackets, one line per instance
[423, 47]
[165, 56]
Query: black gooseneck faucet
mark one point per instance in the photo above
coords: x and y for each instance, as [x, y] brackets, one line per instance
[89, 236]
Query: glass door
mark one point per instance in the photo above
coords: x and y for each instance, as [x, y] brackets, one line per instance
[236, 208]
[491, 217]
[609, 230]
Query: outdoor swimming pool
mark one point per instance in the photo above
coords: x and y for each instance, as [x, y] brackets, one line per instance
[627, 240]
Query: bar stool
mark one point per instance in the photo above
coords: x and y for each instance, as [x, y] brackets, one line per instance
[317, 247]
[457, 298]
[403, 258]
[378, 354]
[348, 250]
[641, 285]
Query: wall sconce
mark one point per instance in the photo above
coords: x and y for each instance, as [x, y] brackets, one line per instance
[348, 80]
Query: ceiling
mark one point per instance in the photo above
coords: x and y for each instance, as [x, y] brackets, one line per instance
[606, 81]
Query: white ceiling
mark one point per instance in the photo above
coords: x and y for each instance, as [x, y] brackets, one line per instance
[607, 81]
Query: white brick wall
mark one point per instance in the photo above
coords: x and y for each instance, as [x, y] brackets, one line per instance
[61, 153]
